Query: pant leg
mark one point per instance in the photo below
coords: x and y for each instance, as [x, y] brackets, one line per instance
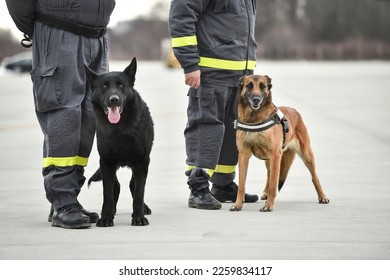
[61, 162]
[203, 134]
[224, 172]
[204, 130]
[210, 135]
[63, 107]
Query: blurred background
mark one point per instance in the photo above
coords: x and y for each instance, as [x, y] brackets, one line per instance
[286, 29]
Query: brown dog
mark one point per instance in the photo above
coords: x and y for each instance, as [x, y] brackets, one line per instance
[272, 134]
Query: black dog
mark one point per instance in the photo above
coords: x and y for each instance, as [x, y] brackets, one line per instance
[124, 132]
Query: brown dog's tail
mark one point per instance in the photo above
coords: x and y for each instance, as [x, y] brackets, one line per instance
[287, 160]
[96, 177]
[281, 183]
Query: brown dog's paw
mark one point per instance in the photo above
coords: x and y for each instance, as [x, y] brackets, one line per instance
[235, 207]
[263, 196]
[266, 208]
[324, 200]
[139, 221]
[105, 223]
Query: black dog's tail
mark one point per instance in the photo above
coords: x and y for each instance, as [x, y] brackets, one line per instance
[96, 177]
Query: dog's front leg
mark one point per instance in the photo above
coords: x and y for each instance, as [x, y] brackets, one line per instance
[273, 172]
[243, 162]
[139, 174]
[108, 176]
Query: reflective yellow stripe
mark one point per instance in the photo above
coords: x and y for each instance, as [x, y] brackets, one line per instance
[65, 161]
[225, 169]
[184, 41]
[227, 64]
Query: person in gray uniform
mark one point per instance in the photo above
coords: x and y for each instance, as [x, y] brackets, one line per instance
[213, 40]
[65, 35]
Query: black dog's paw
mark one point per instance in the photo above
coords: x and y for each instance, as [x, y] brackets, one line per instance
[105, 223]
[139, 221]
[147, 210]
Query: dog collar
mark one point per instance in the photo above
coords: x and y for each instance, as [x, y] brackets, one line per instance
[276, 118]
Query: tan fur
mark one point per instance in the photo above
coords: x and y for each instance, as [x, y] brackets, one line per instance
[268, 145]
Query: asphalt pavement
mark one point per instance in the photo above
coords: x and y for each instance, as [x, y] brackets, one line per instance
[346, 109]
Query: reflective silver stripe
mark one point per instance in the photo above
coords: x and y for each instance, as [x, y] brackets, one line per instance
[280, 114]
[253, 127]
[259, 126]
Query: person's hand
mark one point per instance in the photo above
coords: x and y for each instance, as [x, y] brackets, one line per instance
[192, 79]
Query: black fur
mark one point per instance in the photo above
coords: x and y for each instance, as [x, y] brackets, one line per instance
[127, 142]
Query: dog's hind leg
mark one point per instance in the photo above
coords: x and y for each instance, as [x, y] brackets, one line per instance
[307, 156]
[117, 190]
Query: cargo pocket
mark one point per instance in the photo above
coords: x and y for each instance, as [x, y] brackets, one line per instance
[202, 107]
[47, 88]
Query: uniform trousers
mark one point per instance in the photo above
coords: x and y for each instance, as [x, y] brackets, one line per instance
[210, 136]
[63, 106]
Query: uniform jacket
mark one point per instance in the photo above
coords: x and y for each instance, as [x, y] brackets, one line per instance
[89, 12]
[216, 36]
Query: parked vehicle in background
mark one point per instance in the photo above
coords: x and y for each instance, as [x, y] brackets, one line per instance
[21, 63]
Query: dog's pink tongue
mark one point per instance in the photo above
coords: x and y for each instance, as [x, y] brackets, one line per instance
[113, 115]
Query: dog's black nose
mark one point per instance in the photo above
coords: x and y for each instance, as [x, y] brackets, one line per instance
[114, 99]
[256, 100]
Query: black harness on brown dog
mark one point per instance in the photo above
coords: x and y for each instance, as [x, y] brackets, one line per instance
[276, 118]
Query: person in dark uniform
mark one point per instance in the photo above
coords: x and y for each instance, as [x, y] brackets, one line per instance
[214, 42]
[65, 35]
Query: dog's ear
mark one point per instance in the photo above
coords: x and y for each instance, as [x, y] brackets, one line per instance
[241, 82]
[131, 70]
[91, 75]
[269, 82]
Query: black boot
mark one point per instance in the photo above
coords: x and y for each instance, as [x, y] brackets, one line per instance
[70, 216]
[92, 215]
[200, 197]
[229, 193]
[203, 199]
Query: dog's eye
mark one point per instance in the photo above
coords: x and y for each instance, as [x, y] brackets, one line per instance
[262, 86]
[104, 86]
[249, 86]
[120, 85]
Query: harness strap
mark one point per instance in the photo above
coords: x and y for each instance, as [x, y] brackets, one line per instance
[71, 26]
[276, 118]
